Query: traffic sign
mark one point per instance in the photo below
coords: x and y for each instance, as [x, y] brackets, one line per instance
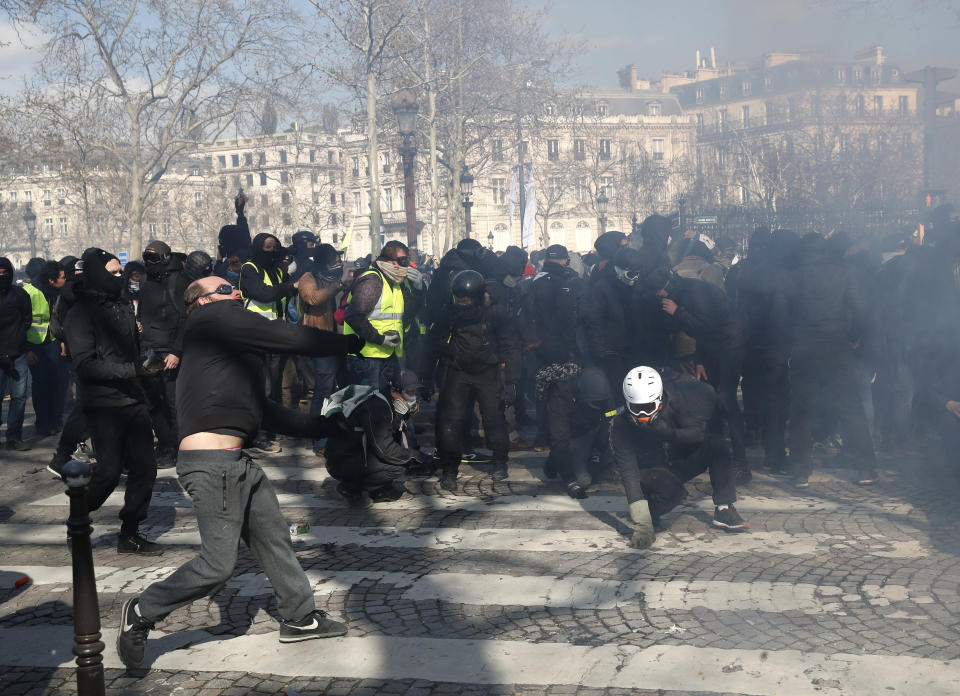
[706, 220]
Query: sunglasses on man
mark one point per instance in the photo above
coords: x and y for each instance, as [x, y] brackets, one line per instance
[225, 289]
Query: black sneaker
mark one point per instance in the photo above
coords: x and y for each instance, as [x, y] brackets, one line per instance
[728, 518]
[56, 465]
[136, 544]
[315, 625]
[387, 494]
[500, 472]
[132, 637]
[576, 491]
[18, 446]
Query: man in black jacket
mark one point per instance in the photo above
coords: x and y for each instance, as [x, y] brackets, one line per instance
[101, 331]
[222, 405]
[15, 317]
[607, 317]
[666, 435]
[161, 314]
[826, 313]
[478, 348]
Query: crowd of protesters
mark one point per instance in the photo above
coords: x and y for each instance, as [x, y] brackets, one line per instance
[657, 356]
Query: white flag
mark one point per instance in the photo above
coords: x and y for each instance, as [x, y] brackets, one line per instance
[530, 213]
[513, 199]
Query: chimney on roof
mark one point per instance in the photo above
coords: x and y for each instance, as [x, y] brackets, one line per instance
[713, 58]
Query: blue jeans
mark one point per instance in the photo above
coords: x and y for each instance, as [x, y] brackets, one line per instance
[18, 389]
[325, 371]
[374, 372]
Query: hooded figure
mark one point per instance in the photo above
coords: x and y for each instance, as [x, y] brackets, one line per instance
[15, 318]
[33, 268]
[607, 245]
[133, 274]
[264, 258]
[303, 244]
[198, 265]
[233, 240]
[469, 255]
[156, 258]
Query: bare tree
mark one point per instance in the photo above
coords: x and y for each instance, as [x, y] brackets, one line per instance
[160, 75]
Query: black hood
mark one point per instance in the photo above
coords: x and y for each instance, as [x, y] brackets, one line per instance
[261, 258]
[96, 279]
[131, 267]
[198, 265]
[609, 243]
[6, 281]
[512, 263]
[233, 241]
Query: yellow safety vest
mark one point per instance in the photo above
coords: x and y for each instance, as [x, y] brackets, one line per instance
[267, 310]
[387, 315]
[39, 331]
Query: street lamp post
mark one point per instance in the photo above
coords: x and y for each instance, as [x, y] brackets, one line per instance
[30, 218]
[681, 216]
[466, 190]
[405, 109]
[602, 203]
[490, 240]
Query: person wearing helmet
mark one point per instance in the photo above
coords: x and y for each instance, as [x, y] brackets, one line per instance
[474, 347]
[666, 434]
[589, 423]
[375, 447]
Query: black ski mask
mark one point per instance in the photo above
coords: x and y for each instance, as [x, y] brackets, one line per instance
[6, 280]
[96, 277]
[266, 259]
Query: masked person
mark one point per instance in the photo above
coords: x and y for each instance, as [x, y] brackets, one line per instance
[161, 315]
[475, 349]
[101, 333]
[318, 290]
[664, 436]
[303, 244]
[47, 381]
[374, 448]
[222, 403]
[266, 288]
[15, 318]
[233, 244]
[374, 311]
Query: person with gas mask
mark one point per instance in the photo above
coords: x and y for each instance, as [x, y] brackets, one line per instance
[266, 288]
[161, 315]
[374, 312]
[470, 255]
[222, 404]
[303, 244]
[101, 333]
[318, 290]
[665, 435]
[374, 448]
[577, 459]
[15, 318]
[475, 350]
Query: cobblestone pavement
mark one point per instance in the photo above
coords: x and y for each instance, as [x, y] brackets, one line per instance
[511, 587]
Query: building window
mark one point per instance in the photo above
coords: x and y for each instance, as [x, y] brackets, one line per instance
[583, 191]
[579, 150]
[904, 104]
[167, 227]
[46, 197]
[875, 77]
[553, 149]
[386, 162]
[263, 178]
[841, 75]
[248, 159]
[283, 156]
[699, 95]
[722, 120]
[658, 149]
[723, 89]
[222, 160]
[699, 124]
[499, 187]
[604, 149]
[236, 181]
[333, 219]
[877, 105]
[48, 227]
[63, 226]
[198, 199]
[557, 235]
[284, 177]
[235, 160]
[524, 149]
[356, 166]
[601, 109]
[313, 156]
[907, 142]
[861, 105]
[330, 160]
[194, 171]
[28, 197]
[333, 199]
[745, 116]
[653, 109]
[13, 197]
[745, 88]
[285, 198]
[152, 228]
[357, 203]
[261, 159]
[61, 196]
[287, 221]
[721, 156]
[554, 188]
[388, 199]
[584, 241]
[332, 178]
[497, 151]
[606, 186]
[841, 105]
[858, 74]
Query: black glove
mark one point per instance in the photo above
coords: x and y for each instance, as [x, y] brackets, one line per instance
[150, 367]
[355, 344]
[6, 366]
[663, 430]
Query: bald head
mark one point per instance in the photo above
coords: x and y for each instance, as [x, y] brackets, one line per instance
[206, 290]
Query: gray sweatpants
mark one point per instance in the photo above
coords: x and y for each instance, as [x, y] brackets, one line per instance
[232, 500]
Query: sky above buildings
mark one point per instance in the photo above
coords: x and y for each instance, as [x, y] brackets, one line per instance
[657, 35]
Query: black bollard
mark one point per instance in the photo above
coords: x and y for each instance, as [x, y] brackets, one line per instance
[87, 645]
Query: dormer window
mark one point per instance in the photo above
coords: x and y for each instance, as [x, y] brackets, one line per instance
[653, 109]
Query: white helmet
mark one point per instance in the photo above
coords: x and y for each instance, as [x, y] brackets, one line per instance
[643, 392]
